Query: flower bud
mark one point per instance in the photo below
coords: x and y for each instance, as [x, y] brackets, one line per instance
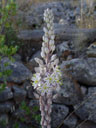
[53, 47]
[48, 126]
[45, 123]
[56, 61]
[52, 37]
[45, 30]
[46, 50]
[42, 54]
[45, 39]
[51, 42]
[37, 69]
[48, 26]
[53, 57]
[39, 61]
[46, 108]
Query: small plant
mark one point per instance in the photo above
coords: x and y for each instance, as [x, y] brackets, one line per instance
[16, 125]
[7, 10]
[48, 74]
[24, 106]
[35, 116]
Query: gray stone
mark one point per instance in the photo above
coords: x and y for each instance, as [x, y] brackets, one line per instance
[29, 88]
[87, 109]
[87, 124]
[33, 103]
[91, 51]
[63, 50]
[69, 93]
[19, 113]
[35, 14]
[19, 72]
[79, 37]
[58, 114]
[17, 57]
[7, 94]
[32, 63]
[82, 70]
[19, 94]
[71, 122]
[6, 107]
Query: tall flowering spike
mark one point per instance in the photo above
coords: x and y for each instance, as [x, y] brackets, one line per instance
[48, 76]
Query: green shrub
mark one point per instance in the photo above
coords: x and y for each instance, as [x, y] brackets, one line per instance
[7, 40]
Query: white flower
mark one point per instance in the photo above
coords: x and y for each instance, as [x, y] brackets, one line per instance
[36, 80]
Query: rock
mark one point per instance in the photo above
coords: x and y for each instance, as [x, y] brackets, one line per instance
[4, 119]
[19, 72]
[63, 50]
[91, 51]
[6, 107]
[88, 124]
[87, 110]
[59, 112]
[19, 94]
[35, 15]
[17, 57]
[5, 95]
[71, 122]
[29, 88]
[32, 63]
[79, 37]
[69, 93]
[33, 103]
[82, 70]
[19, 113]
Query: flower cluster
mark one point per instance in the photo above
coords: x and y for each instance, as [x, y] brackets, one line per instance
[48, 75]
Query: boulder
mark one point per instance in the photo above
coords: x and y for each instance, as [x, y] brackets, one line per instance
[87, 109]
[5, 95]
[59, 112]
[87, 124]
[91, 51]
[79, 37]
[32, 63]
[20, 73]
[71, 122]
[6, 107]
[63, 50]
[69, 93]
[34, 16]
[83, 70]
[19, 94]
[29, 88]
